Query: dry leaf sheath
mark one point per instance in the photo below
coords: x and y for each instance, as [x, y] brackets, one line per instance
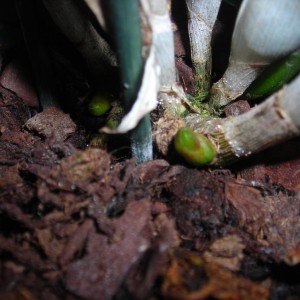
[264, 31]
[157, 12]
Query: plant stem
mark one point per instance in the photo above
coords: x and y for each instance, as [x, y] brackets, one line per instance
[125, 25]
[272, 122]
[202, 16]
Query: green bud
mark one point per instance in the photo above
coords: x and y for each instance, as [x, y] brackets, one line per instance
[99, 104]
[114, 117]
[196, 148]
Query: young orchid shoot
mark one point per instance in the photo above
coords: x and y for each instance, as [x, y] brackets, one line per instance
[264, 31]
[272, 122]
[195, 147]
[201, 19]
[99, 104]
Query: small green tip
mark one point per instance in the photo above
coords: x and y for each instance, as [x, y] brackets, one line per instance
[99, 104]
[194, 147]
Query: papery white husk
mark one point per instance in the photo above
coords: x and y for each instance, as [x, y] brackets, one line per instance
[162, 38]
[265, 31]
[146, 99]
[95, 7]
[159, 78]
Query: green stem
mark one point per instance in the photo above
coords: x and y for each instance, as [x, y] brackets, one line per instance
[125, 23]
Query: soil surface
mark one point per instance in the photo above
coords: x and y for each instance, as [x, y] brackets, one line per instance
[80, 222]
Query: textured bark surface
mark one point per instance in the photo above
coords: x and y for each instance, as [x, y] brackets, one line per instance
[88, 225]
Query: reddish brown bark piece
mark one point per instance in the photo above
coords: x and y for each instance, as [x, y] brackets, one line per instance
[13, 189]
[15, 78]
[52, 122]
[189, 278]
[141, 277]
[279, 165]
[13, 112]
[246, 202]
[154, 174]
[86, 170]
[15, 146]
[179, 46]
[227, 252]
[186, 77]
[236, 108]
[198, 203]
[76, 243]
[273, 220]
[107, 261]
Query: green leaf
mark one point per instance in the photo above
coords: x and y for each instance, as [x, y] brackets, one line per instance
[275, 76]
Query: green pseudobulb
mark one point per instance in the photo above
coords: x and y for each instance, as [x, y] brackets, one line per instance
[194, 147]
[99, 104]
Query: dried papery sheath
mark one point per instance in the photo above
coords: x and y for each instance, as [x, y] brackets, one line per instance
[157, 14]
[265, 31]
[159, 76]
[272, 122]
[96, 8]
[202, 16]
[159, 71]
[146, 99]
[80, 31]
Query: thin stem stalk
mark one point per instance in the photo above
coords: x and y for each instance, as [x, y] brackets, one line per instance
[202, 16]
[125, 25]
